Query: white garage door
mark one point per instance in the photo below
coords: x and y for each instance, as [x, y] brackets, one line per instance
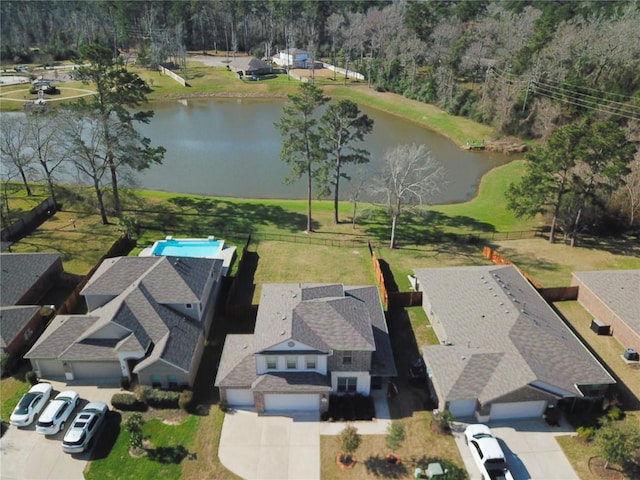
[96, 370]
[503, 411]
[462, 408]
[291, 402]
[240, 397]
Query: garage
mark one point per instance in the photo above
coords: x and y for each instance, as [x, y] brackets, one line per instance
[48, 368]
[462, 408]
[291, 402]
[240, 397]
[96, 370]
[505, 411]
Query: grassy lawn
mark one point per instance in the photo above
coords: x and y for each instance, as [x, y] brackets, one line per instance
[11, 390]
[164, 457]
[421, 447]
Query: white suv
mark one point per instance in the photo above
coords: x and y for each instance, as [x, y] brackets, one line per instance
[57, 412]
[84, 428]
[486, 452]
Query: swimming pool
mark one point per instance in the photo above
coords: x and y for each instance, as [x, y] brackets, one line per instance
[188, 247]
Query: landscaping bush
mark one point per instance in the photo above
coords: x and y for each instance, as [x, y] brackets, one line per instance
[127, 401]
[141, 392]
[31, 377]
[586, 433]
[125, 383]
[186, 400]
[162, 398]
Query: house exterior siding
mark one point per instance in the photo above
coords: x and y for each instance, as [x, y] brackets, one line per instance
[597, 306]
[360, 362]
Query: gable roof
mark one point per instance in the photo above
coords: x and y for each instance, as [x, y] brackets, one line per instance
[249, 64]
[619, 289]
[500, 335]
[325, 317]
[20, 271]
[146, 323]
[12, 320]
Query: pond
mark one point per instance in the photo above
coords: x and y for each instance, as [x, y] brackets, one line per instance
[230, 147]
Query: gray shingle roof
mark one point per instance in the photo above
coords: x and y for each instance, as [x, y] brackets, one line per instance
[138, 308]
[60, 335]
[293, 382]
[19, 271]
[325, 317]
[619, 290]
[12, 320]
[503, 335]
[249, 63]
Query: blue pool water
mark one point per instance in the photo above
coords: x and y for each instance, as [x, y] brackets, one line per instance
[187, 248]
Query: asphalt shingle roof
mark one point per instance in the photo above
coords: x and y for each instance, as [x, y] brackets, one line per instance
[619, 290]
[60, 335]
[19, 271]
[13, 320]
[138, 308]
[501, 335]
[325, 317]
[293, 382]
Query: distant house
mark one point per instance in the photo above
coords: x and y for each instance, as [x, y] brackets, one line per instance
[249, 66]
[292, 58]
[613, 298]
[504, 352]
[310, 341]
[148, 318]
[24, 281]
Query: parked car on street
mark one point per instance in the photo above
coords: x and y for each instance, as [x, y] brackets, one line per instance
[85, 427]
[486, 453]
[30, 405]
[57, 412]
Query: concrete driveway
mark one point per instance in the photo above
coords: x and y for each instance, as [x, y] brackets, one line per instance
[271, 447]
[25, 454]
[530, 447]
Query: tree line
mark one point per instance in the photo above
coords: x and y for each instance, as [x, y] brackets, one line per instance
[525, 67]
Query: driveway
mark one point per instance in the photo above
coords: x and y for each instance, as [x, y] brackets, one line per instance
[529, 446]
[271, 447]
[25, 454]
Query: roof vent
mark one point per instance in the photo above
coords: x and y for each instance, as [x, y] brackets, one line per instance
[245, 346]
[284, 317]
[282, 332]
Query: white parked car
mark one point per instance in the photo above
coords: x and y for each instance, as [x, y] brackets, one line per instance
[84, 428]
[30, 405]
[57, 412]
[486, 452]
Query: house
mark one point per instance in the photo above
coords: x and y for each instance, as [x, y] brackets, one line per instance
[613, 297]
[249, 66]
[25, 279]
[292, 58]
[148, 317]
[504, 352]
[310, 341]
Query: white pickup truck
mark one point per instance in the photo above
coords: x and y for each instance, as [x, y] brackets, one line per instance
[486, 452]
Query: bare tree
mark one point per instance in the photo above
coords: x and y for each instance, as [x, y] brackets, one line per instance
[13, 139]
[410, 176]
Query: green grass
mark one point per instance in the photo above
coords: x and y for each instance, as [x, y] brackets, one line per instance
[119, 464]
[11, 391]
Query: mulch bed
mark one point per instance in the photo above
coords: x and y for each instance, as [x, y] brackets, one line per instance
[596, 467]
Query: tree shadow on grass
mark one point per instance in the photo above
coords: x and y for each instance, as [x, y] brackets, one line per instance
[109, 435]
[379, 466]
[166, 455]
[206, 216]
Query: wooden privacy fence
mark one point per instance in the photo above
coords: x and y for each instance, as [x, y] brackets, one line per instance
[29, 222]
[559, 294]
[498, 259]
[238, 310]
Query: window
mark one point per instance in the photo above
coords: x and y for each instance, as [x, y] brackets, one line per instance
[347, 357]
[347, 384]
[311, 362]
[189, 306]
[156, 381]
[272, 363]
[292, 362]
[173, 381]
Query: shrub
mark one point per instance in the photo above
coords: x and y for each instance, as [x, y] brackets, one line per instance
[395, 436]
[141, 392]
[31, 377]
[125, 383]
[444, 420]
[614, 413]
[349, 439]
[586, 433]
[162, 398]
[134, 426]
[185, 401]
[126, 401]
